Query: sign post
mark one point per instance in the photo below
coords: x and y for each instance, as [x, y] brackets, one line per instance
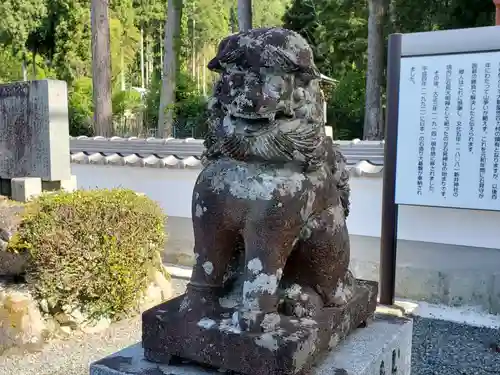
[442, 145]
[497, 13]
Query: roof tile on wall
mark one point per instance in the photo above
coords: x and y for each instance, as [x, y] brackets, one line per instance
[364, 158]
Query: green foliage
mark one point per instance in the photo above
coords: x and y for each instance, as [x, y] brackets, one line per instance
[55, 35]
[81, 108]
[95, 250]
[427, 15]
[19, 19]
[10, 68]
[128, 100]
[68, 37]
[337, 31]
[345, 110]
[268, 13]
[124, 43]
[190, 107]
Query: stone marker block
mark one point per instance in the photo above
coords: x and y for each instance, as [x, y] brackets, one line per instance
[66, 185]
[25, 188]
[34, 130]
[383, 347]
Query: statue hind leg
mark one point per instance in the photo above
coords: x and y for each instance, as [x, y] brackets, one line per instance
[321, 260]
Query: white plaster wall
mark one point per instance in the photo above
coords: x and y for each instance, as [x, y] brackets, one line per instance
[173, 189]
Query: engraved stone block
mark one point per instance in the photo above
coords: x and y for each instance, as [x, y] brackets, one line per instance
[34, 130]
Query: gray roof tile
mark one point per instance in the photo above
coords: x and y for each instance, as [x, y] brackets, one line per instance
[364, 158]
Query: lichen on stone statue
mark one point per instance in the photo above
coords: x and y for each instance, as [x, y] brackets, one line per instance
[268, 163]
[275, 197]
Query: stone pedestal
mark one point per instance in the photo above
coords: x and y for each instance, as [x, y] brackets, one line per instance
[25, 188]
[291, 346]
[383, 347]
[68, 185]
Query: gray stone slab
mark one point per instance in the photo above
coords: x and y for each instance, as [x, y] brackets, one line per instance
[34, 130]
[383, 347]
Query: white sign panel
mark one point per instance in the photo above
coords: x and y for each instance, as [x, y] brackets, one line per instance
[449, 131]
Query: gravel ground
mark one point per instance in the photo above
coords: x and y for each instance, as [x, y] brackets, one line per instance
[439, 348]
[72, 357]
[445, 348]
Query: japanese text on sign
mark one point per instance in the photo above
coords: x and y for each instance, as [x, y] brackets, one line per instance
[449, 131]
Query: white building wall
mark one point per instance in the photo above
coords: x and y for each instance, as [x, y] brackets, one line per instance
[172, 189]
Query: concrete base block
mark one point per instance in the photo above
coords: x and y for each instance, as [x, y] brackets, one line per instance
[383, 347]
[66, 185]
[25, 188]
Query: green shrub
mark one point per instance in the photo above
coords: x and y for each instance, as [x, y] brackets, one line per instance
[95, 250]
[346, 105]
[81, 108]
[128, 100]
[190, 106]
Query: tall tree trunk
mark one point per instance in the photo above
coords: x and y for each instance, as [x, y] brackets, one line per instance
[151, 58]
[204, 80]
[373, 125]
[198, 76]
[170, 62]
[101, 69]
[148, 57]
[244, 15]
[233, 20]
[24, 68]
[142, 57]
[161, 49]
[193, 48]
[33, 61]
[122, 67]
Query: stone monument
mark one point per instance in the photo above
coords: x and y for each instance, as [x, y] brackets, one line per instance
[34, 138]
[269, 209]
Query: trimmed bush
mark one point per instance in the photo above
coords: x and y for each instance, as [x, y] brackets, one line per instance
[93, 250]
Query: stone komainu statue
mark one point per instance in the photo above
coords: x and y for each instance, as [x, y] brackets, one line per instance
[269, 217]
[273, 185]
